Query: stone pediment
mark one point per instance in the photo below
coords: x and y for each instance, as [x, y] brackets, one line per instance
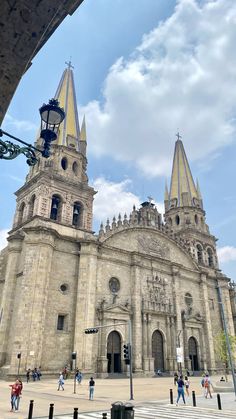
[117, 308]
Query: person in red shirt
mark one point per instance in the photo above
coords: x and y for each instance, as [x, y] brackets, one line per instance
[15, 394]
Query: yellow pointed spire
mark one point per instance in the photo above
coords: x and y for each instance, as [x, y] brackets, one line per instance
[69, 129]
[166, 198]
[83, 135]
[183, 191]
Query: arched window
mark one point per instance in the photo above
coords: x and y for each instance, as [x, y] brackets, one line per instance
[77, 214]
[75, 168]
[55, 207]
[64, 163]
[210, 259]
[31, 206]
[177, 220]
[199, 253]
[21, 213]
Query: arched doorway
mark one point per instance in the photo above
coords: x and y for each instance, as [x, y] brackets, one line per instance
[157, 350]
[192, 350]
[114, 353]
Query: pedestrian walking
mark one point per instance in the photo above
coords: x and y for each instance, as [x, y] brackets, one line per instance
[202, 384]
[91, 388]
[28, 375]
[207, 384]
[15, 391]
[61, 382]
[19, 393]
[180, 384]
[187, 384]
[79, 377]
[176, 377]
[39, 374]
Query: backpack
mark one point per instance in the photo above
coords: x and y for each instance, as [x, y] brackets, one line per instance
[206, 383]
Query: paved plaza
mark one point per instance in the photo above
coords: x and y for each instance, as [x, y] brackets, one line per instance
[151, 399]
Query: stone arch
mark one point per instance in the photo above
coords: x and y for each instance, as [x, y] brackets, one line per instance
[114, 352]
[21, 213]
[158, 350]
[77, 217]
[199, 253]
[193, 353]
[210, 257]
[31, 206]
[56, 207]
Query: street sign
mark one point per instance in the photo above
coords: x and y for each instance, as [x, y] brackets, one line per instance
[179, 354]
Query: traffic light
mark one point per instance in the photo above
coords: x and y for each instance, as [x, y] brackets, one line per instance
[127, 354]
[73, 355]
[19, 355]
[91, 330]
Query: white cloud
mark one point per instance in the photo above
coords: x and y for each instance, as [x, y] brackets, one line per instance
[3, 238]
[226, 254]
[19, 125]
[114, 198]
[179, 78]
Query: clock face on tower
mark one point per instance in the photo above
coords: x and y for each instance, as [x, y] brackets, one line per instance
[114, 285]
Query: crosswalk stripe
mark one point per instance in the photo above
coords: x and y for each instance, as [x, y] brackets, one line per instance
[158, 411]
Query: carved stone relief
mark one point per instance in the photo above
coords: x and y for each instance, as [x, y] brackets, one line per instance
[153, 246]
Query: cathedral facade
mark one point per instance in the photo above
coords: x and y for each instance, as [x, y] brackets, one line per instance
[57, 278]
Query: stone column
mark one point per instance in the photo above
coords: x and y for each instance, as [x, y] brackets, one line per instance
[173, 366]
[136, 299]
[8, 296]
[86, 345]
[168, 344]
[28, 326]
[177, 307]
[209, 343]
[145, 348]
[227, 308]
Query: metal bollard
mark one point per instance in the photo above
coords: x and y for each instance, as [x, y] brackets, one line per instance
[51, 408]
[104, 415]
[75, 416]
[219, 401]
[194, 399]
[171, 396]
[31, 406]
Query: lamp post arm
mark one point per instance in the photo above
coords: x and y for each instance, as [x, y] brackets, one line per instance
[18, 139]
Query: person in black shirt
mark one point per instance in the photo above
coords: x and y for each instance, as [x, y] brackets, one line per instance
[91, 388]
[180, 383]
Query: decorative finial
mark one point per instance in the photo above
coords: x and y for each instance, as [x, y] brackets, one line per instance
[150, 199]
[178, 136]
[69, 64]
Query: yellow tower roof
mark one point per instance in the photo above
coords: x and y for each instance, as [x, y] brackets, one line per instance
[182, 187]
[83, 135]
[65, 94]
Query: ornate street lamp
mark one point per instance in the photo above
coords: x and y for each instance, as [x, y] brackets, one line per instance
[51, 118]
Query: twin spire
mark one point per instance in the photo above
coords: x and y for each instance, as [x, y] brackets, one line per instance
[70, 133]
[183, 191]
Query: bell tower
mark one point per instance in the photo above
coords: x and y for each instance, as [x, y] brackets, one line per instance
[184, 212]
[57, 189]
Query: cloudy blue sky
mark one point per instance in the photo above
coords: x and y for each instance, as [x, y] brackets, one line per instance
[143, 70]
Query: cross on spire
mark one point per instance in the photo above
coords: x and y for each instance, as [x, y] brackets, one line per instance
[178, 136]
[69, 64]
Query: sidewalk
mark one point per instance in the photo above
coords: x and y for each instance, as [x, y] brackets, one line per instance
[107, 391]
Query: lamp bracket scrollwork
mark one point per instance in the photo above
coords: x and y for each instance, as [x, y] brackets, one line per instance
[9, 151]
